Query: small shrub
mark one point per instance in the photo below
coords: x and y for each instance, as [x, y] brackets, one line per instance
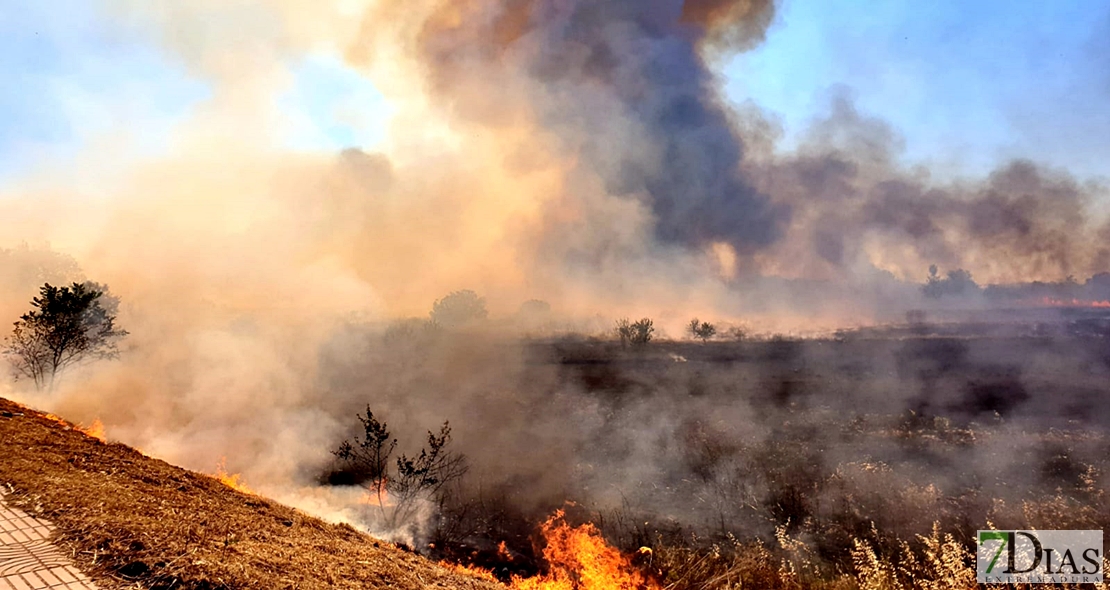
[400, 493]
[637, 333]
[624, 331]
[701, 330]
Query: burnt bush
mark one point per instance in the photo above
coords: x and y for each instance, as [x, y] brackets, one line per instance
[398, 488]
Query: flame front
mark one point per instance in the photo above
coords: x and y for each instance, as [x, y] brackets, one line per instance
[378, 494]
[56, 418]
[470, 570]
[1054, 302]
[580, 559]
[96, 430]
[232, 480]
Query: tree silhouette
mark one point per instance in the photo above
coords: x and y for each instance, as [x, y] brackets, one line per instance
[67, 326]
[369, 456]
[642, 332]
[702, 330]
[417, 479]
[459, 308]
[957, 282]
[637, 333]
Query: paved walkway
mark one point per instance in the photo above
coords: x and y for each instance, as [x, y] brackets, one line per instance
[28, 560]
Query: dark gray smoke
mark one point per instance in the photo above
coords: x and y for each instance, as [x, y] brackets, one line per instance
[625, 87]
[627, 90]
[856, 205]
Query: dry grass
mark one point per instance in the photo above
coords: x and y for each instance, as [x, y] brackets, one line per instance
[131, 521]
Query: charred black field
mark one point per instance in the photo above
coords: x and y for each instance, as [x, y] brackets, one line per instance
[870, 452]
[1048, 366]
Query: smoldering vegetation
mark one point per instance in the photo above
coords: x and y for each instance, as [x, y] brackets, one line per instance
[748, 457]
[628, 93]
[810, 449]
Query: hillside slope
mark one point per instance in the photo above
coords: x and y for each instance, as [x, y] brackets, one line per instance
[131, 521]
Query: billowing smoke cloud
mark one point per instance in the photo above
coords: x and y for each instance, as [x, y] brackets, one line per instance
[622, 86]
[856, 207]
[627, 93]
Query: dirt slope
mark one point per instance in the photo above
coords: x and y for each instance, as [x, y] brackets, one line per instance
[131, 521]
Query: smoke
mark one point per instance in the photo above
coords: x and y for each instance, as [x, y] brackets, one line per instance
[577, 152]
[861, 209]
[623, 89]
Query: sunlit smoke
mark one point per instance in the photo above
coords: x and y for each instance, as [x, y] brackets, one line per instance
[580, 153]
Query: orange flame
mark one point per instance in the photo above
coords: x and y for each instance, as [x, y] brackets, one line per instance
[56, 418]
[1054, 302]
[96, 430]
[378, 495]
[580, 559]
[470, 570]
[233, 480]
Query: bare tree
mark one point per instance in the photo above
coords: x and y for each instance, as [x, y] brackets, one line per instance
[369, 456]
[418, 478]
[426, 474]
[67, 326]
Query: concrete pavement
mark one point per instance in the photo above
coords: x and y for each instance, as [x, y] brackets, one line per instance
[28, 560]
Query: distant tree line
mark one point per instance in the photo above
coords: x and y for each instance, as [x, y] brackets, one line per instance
[959, 283]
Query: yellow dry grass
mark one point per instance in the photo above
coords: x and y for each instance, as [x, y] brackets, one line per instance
[131, 521]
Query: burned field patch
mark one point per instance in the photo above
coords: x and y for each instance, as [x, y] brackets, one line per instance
[818, 448]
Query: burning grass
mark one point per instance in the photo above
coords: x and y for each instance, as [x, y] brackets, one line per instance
[136, 522]
[579, 558]
[231, 480]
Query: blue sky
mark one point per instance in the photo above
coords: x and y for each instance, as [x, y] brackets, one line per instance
[967, 84]
[67, 75]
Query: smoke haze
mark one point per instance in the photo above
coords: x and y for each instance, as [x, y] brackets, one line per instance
[577, 152]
